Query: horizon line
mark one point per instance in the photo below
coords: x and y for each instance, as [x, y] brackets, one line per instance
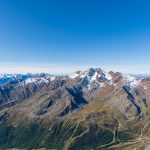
[51, 68]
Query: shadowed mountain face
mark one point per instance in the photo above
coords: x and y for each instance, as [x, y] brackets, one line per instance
[91, 109]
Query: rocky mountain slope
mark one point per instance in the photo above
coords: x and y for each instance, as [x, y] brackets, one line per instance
[86, 110]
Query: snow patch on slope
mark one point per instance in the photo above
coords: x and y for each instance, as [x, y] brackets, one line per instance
[75, 75]
[132, 81]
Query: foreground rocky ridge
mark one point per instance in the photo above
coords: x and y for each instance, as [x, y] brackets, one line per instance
[91, 109]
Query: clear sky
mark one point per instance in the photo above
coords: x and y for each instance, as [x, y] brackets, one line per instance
[67, 35]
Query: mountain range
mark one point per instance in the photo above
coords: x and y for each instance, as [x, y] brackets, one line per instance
[86, 110]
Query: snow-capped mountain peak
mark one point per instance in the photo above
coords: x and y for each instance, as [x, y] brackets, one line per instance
[93, 77]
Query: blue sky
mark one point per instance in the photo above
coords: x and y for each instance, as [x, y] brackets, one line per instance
[67, 35]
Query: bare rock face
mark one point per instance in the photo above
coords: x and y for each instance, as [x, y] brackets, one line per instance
[63, 95]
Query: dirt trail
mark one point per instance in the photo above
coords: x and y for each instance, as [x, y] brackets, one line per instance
[144, 128]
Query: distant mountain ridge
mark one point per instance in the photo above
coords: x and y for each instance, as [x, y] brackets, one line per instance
[5, 79]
